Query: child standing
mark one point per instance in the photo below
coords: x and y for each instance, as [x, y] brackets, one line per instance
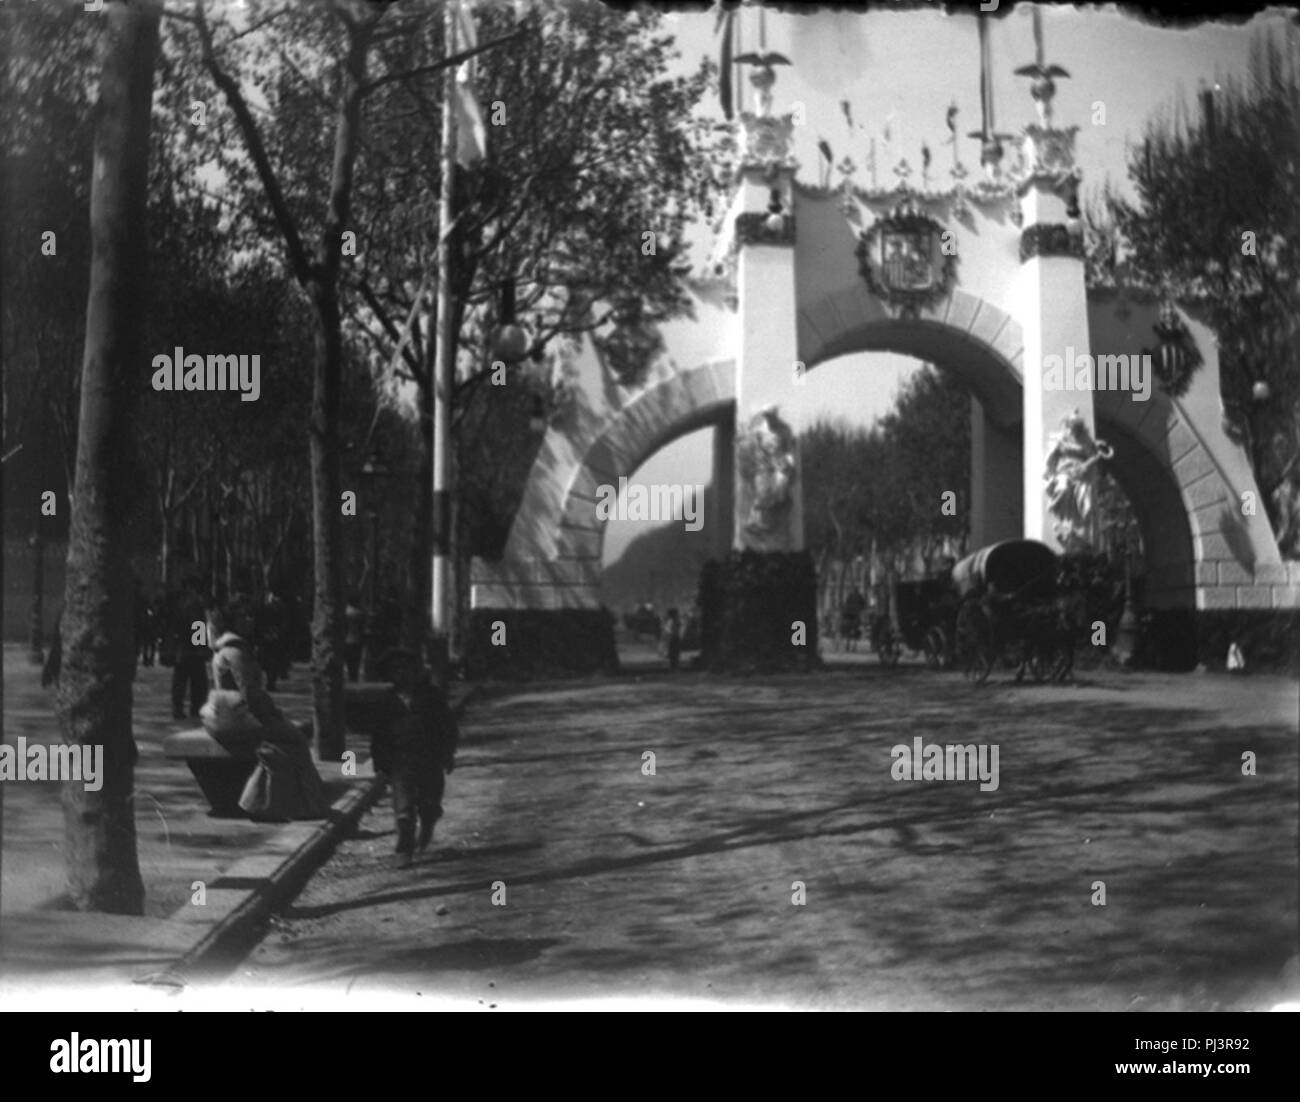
[415, 745]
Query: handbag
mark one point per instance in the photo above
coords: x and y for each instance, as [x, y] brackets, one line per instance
[268, 792]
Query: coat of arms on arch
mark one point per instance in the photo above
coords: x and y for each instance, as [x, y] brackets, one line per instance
[903, 259]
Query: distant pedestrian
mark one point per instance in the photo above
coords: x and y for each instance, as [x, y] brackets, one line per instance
[271, 630]
[145, 626]
[54, 659]
[414, 744]
[851, 618]
[190, 671]
[673, 639]
[354, 638]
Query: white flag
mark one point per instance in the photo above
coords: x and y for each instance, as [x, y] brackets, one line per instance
[471, 135]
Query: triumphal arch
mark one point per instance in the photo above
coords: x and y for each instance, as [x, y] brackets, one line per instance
[983, 276]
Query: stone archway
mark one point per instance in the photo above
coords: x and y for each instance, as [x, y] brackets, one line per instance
[1208, 548]
[982, 343]
[553, 554]
[985, 278]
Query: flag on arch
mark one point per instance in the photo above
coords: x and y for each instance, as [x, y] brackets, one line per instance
[471, 134]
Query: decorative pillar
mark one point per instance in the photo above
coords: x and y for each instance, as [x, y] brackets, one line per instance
[763, 227]
[759, 603]
[1051, 297]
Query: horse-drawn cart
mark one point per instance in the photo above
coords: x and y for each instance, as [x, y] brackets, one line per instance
[1011, 613]
[926, 611]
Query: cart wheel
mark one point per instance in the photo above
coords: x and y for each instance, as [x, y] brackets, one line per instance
[1063, 668]
[974, 644]
[936, 649]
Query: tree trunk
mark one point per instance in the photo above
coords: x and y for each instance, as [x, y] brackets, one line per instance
[94, 688]
[327, 530]
[326, 474]
[165, 553]
[458, 572]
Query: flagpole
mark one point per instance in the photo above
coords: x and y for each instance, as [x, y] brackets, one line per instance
[442, 370]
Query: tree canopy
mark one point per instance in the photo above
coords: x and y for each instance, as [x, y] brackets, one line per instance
[1216, 226]
[883, 487]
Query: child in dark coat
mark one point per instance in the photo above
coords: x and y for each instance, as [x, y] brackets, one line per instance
[415, 745]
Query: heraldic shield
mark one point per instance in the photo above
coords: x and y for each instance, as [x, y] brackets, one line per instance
[903, 261]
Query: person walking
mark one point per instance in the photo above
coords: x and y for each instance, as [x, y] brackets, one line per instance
[354, 637]
[54, 656]
[190, 670]
[673, 639]
[414, 745]
[851, 618]
[146, 626]
[272, 644]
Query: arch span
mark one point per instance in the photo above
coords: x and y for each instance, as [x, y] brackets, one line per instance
[977, 340]
[1180, 475]
[553, 554]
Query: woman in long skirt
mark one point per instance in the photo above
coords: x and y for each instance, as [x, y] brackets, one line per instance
[241, 714]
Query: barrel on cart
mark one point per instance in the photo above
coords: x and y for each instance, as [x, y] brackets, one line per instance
[1010, 614]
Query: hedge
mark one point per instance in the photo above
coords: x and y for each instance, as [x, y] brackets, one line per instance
[571, 642]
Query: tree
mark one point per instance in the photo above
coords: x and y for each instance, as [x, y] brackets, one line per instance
[581, 205]
[312, 155]
[46, 135]
[1216, 225]
[928, 435]
[879, 492]
[95, 685]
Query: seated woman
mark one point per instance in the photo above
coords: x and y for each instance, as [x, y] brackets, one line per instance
[241, 715]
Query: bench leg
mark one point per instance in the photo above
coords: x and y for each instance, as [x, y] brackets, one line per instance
[222, 783]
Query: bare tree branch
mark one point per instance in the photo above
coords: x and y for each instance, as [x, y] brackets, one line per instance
[301, 266]
[439, 66]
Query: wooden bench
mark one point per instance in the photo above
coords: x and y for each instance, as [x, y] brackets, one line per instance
[221, 774]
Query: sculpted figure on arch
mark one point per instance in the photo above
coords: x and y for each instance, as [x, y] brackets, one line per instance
[765, 459]
[1071, 477]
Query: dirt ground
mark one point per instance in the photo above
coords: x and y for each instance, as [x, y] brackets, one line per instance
[917, 894]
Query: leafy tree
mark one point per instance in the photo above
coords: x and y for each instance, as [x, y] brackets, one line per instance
[1216, 225]
[302, 159]
[928, 435]
[879, 491]
[46, 133]
[581, 205]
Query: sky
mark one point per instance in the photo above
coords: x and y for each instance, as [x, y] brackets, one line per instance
[906, 68]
